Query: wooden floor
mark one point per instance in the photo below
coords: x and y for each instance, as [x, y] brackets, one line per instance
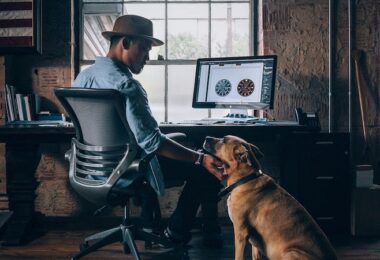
[61, 243]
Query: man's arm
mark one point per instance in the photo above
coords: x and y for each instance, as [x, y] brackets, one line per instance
[176, 151]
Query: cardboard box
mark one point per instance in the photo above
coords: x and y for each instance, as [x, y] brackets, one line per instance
[365, 211]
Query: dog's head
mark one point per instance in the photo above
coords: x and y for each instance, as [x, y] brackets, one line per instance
[235, 153]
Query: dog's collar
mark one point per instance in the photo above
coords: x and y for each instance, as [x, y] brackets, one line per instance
[239, 182]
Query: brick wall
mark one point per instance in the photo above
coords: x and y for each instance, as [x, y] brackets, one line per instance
[297, 31]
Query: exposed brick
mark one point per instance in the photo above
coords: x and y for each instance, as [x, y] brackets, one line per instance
[276, 18]
[46, 79]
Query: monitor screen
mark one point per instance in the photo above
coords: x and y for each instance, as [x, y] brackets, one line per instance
[235, 82]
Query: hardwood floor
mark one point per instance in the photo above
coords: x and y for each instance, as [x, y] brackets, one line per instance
[61, 243]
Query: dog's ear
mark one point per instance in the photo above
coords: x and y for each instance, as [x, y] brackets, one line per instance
[256, 151]
[254, 155]
[243, 156]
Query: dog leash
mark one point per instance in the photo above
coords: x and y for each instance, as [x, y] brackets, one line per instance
[239, 182]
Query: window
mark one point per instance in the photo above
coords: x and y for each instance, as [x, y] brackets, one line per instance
[190, 30]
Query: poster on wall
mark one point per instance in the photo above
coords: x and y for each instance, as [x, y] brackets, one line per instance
[20, 26]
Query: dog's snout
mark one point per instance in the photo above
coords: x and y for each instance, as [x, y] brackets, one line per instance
[209, 144]
[211, 139]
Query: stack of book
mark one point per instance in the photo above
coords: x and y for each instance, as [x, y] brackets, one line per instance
[20, 107]
[26, 109]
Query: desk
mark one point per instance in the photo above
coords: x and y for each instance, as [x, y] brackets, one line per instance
[252, 133]
[22, 158]
[267, 137]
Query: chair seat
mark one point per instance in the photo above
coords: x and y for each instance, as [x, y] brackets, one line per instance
[119, 196]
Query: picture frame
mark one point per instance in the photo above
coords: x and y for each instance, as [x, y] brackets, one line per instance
[20, 27]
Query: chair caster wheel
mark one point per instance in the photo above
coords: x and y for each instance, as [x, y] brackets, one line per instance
[83, 246]
[148, 245]
[126, 249]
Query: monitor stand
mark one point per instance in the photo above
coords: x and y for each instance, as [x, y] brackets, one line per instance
[238, 116]
[238, 113]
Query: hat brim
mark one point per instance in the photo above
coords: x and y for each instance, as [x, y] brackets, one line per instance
[154, 41]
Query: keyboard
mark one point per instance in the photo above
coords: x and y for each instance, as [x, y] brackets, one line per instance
[225, 120]
[204, 121]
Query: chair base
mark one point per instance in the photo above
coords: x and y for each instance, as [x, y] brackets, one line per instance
[125, 234]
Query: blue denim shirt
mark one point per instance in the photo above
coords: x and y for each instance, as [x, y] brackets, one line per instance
[108, 73]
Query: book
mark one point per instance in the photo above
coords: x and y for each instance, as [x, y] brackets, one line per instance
[20, 107]
[35, 101]
[45, 116]
[10, 110]
[12, 91]
[28, 108]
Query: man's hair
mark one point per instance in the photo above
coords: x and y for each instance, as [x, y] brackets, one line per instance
[127, 39]
[115, 39]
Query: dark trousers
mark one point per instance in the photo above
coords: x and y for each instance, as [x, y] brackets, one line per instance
[201, 189]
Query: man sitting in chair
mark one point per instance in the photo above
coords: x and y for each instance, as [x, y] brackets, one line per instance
[130, 43]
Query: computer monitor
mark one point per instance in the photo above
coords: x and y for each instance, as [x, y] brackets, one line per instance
[237, 83]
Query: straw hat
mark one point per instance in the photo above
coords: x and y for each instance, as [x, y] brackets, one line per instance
[133, 25]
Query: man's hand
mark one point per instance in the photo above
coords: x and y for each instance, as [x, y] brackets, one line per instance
[214, 166]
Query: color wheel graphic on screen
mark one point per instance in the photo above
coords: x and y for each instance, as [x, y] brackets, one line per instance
[245, 87]
[223, 87]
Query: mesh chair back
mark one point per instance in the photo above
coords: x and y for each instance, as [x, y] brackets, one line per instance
[98, 115]
[104, 147]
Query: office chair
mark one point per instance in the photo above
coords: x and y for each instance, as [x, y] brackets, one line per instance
[104, 150]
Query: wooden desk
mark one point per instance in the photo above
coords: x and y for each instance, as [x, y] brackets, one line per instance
[23, 156]
[35, 134]
[252, 133]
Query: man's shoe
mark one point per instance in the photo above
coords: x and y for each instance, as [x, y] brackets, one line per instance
[173, 239]
[176, 238]
[154, 232]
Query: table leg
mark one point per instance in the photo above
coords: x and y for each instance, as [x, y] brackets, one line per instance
[21, 163]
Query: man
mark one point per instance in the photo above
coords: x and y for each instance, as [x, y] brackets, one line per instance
[130, 42]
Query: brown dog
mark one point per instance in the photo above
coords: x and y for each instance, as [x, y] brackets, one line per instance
[263, 213]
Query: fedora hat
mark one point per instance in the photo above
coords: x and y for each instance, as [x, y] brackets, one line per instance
[133, 25]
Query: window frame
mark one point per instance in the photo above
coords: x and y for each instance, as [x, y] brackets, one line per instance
[252, 45]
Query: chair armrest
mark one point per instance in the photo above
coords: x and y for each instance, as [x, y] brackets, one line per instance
[68, 154]
[141, 164]
[138, 165]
